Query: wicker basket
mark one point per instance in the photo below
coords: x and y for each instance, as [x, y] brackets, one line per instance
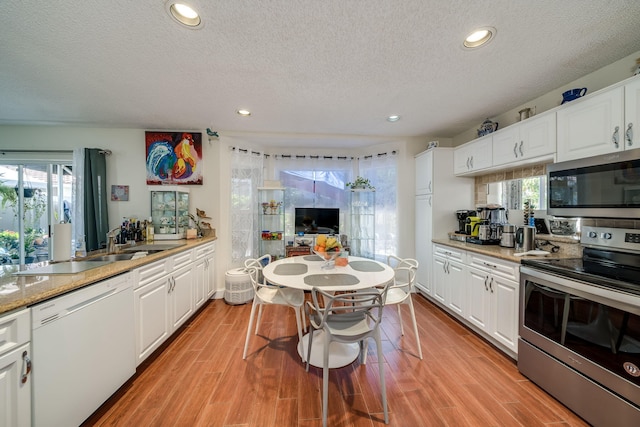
[237, 287]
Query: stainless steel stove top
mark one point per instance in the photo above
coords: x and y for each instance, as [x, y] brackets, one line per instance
[611, 258]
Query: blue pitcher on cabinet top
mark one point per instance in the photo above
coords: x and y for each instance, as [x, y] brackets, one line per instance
[572, 94]
[487, 127]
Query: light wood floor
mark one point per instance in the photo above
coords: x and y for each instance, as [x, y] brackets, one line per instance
[200, 379]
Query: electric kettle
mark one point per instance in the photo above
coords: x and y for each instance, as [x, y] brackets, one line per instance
[525, 238]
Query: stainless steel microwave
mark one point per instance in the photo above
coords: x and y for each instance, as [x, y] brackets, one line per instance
[605, 186]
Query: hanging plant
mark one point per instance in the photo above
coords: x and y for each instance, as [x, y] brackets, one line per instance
[360, 183]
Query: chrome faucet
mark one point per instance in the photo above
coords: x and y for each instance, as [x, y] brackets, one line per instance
[111, 240]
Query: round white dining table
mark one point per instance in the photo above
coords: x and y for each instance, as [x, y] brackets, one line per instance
[308, 271]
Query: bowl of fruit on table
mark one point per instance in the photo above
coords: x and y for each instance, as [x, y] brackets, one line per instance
[330, 250]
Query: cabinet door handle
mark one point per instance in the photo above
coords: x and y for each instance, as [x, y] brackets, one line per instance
[429, 201]
[430, 190]
[467, 163]
[629, 134]
[26, 362]
[471, 162]
[520, 148]
[614, 137]
[491, 285]
[486, 288]
[515, 147]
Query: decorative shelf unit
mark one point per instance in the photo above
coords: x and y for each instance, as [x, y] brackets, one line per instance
[362, 240]
[170, 212]
[271, 215]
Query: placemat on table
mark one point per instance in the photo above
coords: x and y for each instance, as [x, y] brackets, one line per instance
[290, 269]
[339, 279]
[313, 258]
[366, 266]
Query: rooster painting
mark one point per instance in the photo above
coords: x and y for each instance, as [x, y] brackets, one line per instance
[173, 157]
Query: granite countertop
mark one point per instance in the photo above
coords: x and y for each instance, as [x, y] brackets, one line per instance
[569, 248]
[22, 291]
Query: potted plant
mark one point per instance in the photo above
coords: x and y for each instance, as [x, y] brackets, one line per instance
[360, 183]
[9, 240]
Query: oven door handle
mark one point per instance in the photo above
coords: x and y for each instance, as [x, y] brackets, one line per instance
[615, 298]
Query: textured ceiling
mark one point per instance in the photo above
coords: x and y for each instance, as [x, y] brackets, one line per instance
[302, 67]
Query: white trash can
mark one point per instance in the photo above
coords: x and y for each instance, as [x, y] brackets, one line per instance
[237, 287]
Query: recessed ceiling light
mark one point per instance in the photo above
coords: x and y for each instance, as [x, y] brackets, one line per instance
[244, 112]
[479, 37]
[393, 118]
[184, 14]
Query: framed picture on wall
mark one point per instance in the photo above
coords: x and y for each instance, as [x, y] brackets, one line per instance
[120, 193]
[173, 158]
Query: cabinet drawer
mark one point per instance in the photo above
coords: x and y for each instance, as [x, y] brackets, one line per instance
[509, 270]
[202, 251]
[451, 253]
[182, 259]
[15, 330]
[150, 272]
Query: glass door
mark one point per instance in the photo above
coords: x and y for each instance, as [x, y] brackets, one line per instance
[32, 197]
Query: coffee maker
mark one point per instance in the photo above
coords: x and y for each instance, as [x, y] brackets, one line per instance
[462, 216]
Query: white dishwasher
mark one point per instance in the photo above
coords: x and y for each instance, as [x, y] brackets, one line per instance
[83, 350]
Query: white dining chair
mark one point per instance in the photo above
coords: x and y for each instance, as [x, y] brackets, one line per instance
[266, 294]
[347, 318]
[401, 290]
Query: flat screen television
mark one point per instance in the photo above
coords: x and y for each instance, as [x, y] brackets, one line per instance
[317, 220]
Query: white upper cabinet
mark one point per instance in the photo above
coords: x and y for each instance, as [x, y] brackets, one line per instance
[424, 173]
[532, 138]
[591, 126]
[473, 156]
[632, 114]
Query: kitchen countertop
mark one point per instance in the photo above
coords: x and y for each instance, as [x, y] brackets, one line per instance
[569, 248]
[22, 291]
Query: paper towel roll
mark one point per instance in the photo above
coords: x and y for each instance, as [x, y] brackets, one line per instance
[61, 246]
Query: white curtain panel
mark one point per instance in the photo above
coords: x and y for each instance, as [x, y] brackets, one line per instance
[246, 177]
[77, 193]
[382, 171]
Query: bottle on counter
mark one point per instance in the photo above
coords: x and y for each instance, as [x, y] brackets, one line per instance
[150, 230]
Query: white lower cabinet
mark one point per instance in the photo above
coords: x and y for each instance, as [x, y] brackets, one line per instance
[204, 273]
[166, 296]
[180, 291]
[15, 369]
[449, 273]
[151, 308]
[481, 291]
[493, 287]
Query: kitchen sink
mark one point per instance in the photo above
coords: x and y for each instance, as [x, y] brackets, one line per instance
[112, 257]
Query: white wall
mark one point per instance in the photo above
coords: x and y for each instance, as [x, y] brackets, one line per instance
[599, 79]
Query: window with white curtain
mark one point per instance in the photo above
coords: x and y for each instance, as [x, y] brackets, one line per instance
[382, 171]
[314, 182]
[310, 181]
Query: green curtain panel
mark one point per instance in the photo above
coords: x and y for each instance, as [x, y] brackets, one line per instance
[96, 219]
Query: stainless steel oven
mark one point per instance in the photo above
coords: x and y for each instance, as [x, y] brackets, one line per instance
[580, 327]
